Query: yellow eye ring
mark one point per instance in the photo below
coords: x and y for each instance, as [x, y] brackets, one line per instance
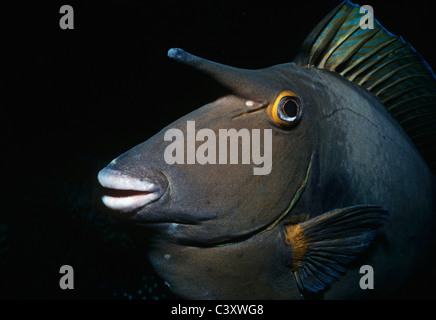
[286, 110]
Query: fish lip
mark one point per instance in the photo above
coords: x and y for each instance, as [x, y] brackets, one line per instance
[125, 193]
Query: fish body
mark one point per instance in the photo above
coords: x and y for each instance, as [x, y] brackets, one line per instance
[347, 185]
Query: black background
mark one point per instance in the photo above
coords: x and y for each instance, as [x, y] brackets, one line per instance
[72, 100]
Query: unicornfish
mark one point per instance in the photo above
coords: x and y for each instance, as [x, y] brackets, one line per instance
[296, 177]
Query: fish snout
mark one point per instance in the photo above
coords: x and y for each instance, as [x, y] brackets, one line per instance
[125, 193]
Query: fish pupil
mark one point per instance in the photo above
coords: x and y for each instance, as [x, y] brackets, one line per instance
[290, 108]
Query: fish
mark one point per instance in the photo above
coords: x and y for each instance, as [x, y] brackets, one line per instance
[347, 180]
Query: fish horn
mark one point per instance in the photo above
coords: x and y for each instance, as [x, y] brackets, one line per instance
[247, 83]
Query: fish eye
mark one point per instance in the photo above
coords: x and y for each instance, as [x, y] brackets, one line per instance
[289, 109]
[286, 111]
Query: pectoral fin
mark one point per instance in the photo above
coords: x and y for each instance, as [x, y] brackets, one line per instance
[323, 246]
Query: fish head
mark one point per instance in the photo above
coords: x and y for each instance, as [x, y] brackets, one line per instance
[223, 205]
[209, 199]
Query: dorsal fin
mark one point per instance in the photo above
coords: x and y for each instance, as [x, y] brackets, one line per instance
[382, 63]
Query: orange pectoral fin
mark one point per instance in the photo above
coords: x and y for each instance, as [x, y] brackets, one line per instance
[295, 238]
[322, 247]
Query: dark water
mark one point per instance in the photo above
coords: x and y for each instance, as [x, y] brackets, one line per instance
[72, 100]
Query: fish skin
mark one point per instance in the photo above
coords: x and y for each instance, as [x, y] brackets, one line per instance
[362, 156]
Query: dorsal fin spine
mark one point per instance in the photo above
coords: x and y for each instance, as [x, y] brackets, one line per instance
[368, 76]
[366, 57]
[350, 53]
[400, 93]
[327, 38]
[335, 47]
[418, 116]
[391, 74]
[393, 107]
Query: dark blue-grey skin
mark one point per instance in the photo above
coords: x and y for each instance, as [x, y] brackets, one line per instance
[346, 177]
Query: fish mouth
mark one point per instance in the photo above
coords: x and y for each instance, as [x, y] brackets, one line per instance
[124, 193]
